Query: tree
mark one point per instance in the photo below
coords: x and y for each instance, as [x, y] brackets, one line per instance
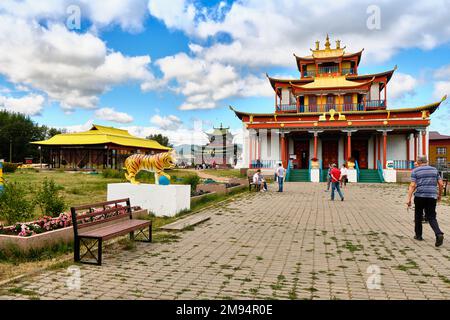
[16, 133]
[162, 140]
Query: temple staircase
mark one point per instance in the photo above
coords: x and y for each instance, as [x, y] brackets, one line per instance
[369, 176]
[299, 175]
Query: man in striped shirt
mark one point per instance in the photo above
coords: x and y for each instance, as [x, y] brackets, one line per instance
[427, 185]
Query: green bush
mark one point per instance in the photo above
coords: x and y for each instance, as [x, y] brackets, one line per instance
[48, 198]
[9, 167]
[113, 174]
[14, 204]
[193, 180]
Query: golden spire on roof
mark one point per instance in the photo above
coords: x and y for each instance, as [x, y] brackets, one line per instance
[327, 43]
[317, 45]
[338, 44]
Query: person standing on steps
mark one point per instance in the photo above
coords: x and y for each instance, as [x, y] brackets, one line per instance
[426, 185]
[280, 177]
[335, 177]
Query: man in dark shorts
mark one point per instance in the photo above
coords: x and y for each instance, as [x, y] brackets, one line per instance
[427, 185]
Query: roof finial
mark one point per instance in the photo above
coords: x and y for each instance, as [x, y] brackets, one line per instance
[327, 43]
[338, 44]
[317, 45]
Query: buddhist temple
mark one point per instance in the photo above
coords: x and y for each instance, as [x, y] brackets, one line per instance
[98, 148]
[334, 114]
[220, 150]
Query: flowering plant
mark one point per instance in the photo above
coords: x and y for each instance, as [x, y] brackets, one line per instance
[43, 224]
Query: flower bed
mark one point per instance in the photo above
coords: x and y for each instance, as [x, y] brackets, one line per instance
[47, 223]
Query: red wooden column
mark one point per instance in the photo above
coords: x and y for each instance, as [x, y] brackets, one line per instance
[424, 142]
[283, 150]
[415, 146]
[384, 148]
[349, 145]
[315, 144]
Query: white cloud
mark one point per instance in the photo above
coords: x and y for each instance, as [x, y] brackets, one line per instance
[268, 32]
[441, 88]
[401, 85]
[71, 68]
[182, 135]
[128, 14]
[30, 105]
[110, 114]
[78, 128]
[170, 122]
[206, 84]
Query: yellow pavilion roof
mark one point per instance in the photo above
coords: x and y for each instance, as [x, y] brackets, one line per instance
[331, 82]
[101, 135]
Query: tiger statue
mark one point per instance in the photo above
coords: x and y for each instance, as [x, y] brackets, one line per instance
[153, 163]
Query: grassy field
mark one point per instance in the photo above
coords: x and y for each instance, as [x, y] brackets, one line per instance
[80, 188]
[228, 173]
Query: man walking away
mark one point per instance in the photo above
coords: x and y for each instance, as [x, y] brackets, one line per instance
[425, 182]
[328, 178]
[335, 177]
[280, 177]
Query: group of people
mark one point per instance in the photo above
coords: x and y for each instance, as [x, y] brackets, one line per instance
[279, 175]
[336, 178]
[426, 186]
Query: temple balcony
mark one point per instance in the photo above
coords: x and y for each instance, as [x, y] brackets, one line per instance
[362, 106]
[334, 70]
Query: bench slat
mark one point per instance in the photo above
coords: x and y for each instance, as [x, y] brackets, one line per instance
[100, 204]
[114, 230]
[98, 213]
[93, 223]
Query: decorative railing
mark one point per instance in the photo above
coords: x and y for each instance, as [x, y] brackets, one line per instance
[309, 170]
[263, 164]
[357, 170]
[287, 107]
[309, 73]
[369, 105]
[333, 69]
[380, 170]
[375, 104]
[404, 164]
[348, 71]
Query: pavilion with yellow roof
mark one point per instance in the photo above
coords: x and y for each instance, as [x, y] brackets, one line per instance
[98, 148]
[333, 114]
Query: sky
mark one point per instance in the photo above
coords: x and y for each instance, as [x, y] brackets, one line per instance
[171, 67]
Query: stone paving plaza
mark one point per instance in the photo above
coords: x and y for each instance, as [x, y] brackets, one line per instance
[293, 245]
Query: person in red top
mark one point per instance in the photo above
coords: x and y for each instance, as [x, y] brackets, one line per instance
[335, 181]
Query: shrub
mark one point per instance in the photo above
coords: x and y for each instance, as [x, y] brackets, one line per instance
[113, 174]
[9, 167]
[49, 199]
[193, 180]
[14, 204]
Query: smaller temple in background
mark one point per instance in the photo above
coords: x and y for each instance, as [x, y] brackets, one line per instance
[220, 150]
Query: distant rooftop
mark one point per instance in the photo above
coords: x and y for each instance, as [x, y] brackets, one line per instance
[434, 135]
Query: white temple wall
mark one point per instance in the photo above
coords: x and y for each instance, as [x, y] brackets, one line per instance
[396, 147]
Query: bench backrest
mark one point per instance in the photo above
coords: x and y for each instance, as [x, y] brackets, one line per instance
[98, 213]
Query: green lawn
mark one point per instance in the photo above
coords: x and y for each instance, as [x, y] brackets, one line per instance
[228, 173]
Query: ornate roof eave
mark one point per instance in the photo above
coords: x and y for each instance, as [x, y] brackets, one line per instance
[273, 81]
[344, 55]
[429, 107]
[358, 86]
[365, 76]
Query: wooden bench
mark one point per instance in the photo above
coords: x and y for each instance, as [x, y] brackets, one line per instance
[251, 183]
[103, 221]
